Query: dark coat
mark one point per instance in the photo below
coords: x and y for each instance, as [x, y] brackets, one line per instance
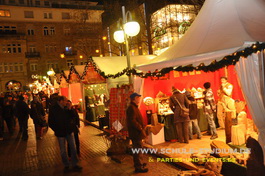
[176, 108]
[135, 122]
[60, 121]
[22, 109]
[8, 109]
[75, 116]
[37, 112]
[193, 108]
[255, 166]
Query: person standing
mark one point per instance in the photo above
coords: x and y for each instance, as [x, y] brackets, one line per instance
[37, 113]
[1, 117]
[176, 103]
[75, 116]
[22, 113]
[210, 109]
[8, 114]
[61, 122]
[226, 87]
[136, 130]
[193, 113]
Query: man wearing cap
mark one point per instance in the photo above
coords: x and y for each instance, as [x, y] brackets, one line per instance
[136, 129]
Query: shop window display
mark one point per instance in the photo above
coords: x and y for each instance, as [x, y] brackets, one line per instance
[96, 101]
[166, 116]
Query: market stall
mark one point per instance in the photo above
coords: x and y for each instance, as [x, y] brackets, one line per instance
[217, 40]
[91, 84]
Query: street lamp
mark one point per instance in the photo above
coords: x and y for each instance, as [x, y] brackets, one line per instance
[128, 28]
[50, 72]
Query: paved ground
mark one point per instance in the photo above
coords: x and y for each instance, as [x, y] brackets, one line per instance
[41, 157]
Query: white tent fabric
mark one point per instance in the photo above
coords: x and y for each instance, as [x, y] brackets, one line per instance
[249, 76]
[221, 28]
[113, 65]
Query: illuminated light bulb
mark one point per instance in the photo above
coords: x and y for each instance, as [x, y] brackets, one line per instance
[132, 28]
[119, 36]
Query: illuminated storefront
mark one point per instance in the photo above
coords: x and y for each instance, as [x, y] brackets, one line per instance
[169, 24]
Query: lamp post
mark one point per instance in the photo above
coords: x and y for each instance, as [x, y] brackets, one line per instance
[128, 28]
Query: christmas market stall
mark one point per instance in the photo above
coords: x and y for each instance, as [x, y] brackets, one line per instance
[96, 82]
[218, 44]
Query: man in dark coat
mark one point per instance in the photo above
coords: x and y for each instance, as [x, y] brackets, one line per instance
[22, 113]
[37, 113]
[136, 130]
[61, 122]
[182, 123]
[8, 114]
[1, 124]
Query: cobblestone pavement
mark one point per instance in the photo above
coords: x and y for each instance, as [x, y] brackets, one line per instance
[42, 157]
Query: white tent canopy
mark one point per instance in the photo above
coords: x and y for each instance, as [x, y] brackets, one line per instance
[113, 65]
[221, 28]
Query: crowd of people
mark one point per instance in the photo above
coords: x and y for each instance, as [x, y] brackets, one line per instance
[63, 119]
[18, 107]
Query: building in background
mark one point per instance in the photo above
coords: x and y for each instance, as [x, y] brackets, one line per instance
[169, 24]
[36, 36]
[162, 24]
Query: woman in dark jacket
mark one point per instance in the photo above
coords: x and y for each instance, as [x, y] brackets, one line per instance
[37, 113]
[182, 123]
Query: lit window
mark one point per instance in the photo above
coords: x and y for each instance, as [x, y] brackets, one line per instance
[4, 13]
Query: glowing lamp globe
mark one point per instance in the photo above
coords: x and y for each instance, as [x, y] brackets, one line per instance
[132, 28]
[119, 36]
[51, 73]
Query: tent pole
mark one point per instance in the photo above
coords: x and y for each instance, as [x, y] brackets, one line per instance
[226, 71]
[261, 57]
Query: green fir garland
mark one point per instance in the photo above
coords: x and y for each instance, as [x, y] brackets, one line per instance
[214, 66]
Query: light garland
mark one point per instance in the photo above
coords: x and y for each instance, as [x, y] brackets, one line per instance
[231, 59]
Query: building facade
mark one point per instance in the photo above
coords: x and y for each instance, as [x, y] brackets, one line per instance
[36, 36]
[162, 24]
